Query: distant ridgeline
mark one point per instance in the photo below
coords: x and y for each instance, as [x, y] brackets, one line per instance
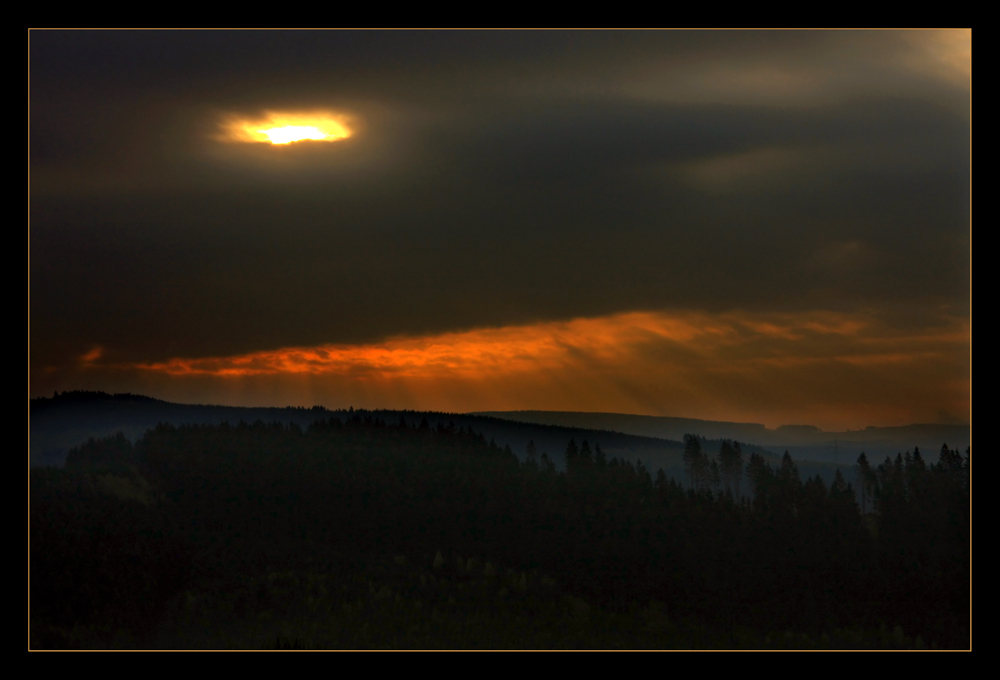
[804, 442]
[71, 418]
[39, 404]
[744, 543]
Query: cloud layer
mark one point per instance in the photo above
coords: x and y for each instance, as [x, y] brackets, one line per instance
[843, 369]
[494, 181]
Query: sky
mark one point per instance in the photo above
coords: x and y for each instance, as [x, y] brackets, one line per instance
[767, 227]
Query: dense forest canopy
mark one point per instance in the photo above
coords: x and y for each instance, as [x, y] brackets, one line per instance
[741, 544]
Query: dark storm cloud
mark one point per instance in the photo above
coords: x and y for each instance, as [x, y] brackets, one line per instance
[498, 178]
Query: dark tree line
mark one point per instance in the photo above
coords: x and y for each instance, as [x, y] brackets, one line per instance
[780, 553]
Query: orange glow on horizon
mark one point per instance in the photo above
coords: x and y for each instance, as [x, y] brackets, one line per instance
[831, 369]
[616, 339]
[470, 354]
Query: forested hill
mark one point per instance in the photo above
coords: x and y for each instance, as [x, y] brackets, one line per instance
[65, 420]
[68, 419]
[223, 536]
[804, 442]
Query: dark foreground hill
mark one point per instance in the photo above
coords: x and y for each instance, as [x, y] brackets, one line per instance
[359, 532]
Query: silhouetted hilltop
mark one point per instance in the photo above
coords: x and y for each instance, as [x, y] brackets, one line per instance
[68, 419]
[805, 442]
[40, 404]
[662, 427]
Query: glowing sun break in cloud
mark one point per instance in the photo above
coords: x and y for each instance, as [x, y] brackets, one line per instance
[285, 128]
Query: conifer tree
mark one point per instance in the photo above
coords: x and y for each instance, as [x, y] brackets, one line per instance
[737, 463]
[571, 456]
[694, 463]
[731, 466]
[759, 475]
[866, 479]
[715, 475]
[599, 458]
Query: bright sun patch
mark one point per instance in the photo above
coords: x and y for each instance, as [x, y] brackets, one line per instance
[283, 128]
